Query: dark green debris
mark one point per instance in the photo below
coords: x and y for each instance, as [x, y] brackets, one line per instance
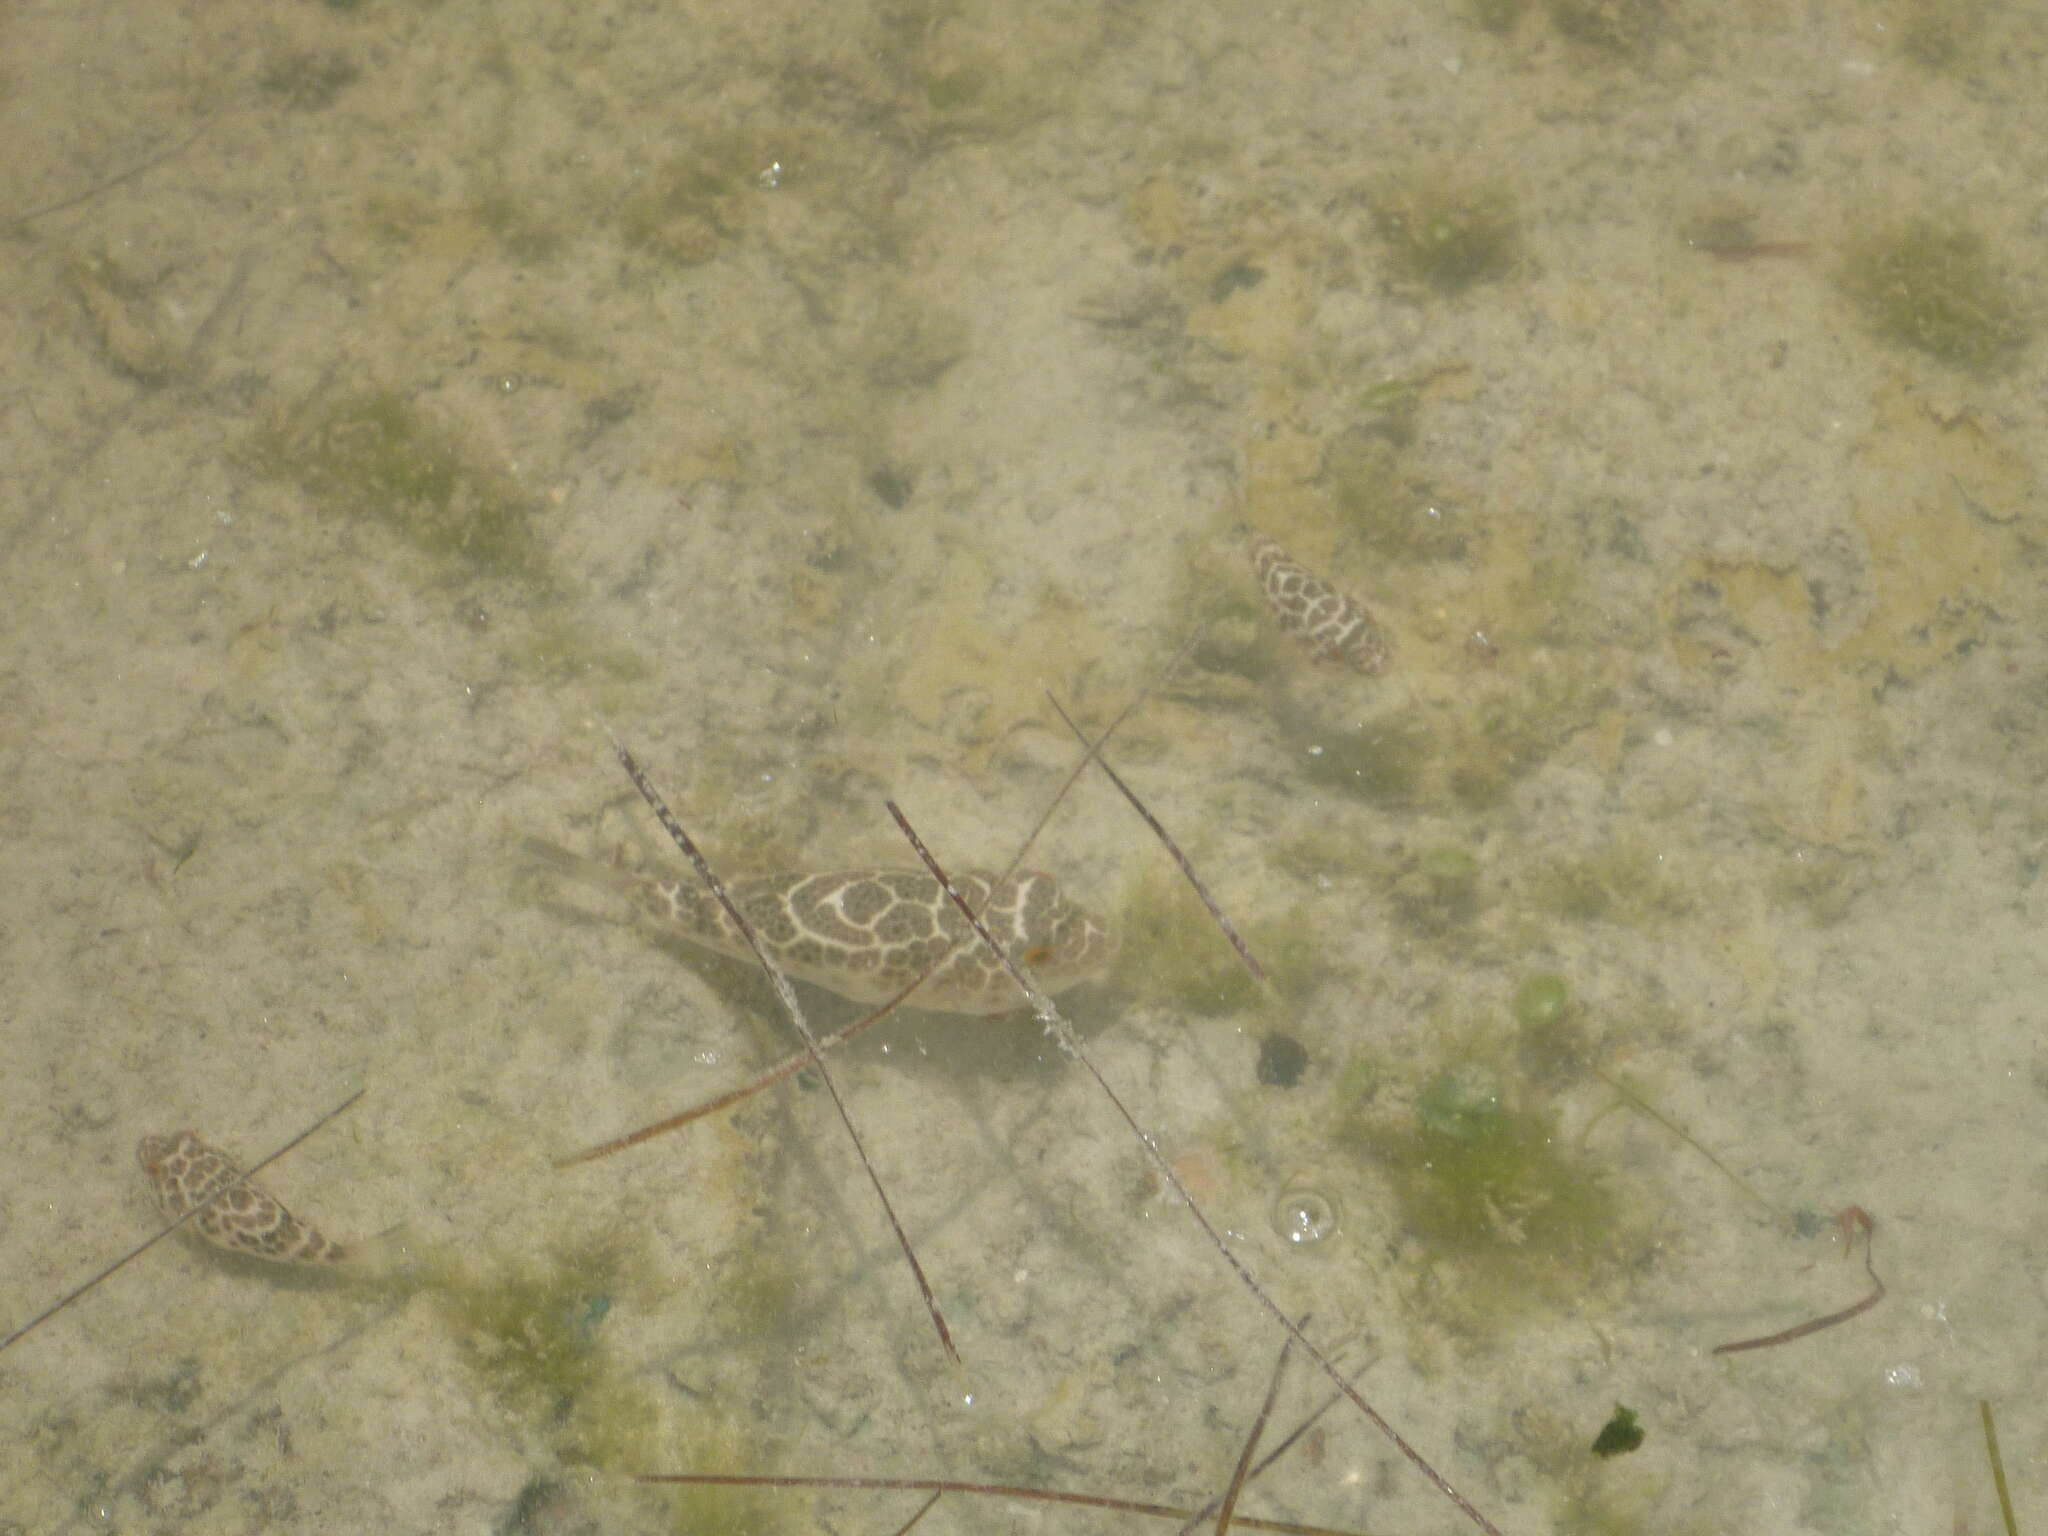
[1620, 1435]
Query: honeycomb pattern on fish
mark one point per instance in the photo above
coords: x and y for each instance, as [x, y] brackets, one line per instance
[183, 1170]
[866, 933]
[1331, 625]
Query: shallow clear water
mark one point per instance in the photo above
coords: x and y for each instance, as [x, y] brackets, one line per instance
[403, 396]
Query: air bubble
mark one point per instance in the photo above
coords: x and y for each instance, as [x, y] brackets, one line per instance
[1304, 1216]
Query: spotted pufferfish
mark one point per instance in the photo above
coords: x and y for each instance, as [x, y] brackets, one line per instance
[183, 1170]
[1312, 612]
[865, 934]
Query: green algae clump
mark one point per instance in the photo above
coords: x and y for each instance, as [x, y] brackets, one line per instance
[1930, 285]
[1445, 236]
[686, 211]
[308, 82]
[1542, 1000]
[1437, 894]
[1486, 1179]
[1619, 1435]
[1551, 1045]
[1174, 953]
[757, 1294]
[532, 1327]
[1623, 882]
[1621, 27]
[1496, 16]
[1486, 1188]
[1381, 761]
[376, 457]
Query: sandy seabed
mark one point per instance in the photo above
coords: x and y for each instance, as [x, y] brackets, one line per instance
[400, 392]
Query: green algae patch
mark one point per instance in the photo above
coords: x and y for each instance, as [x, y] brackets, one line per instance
[1483, 1180]
[705, 1510]
[1466, 755]
[1381, 762]
[1552, 1045]
[1622, 882]
[1496, 16]
[532, 1328]
[1824, 883]
[308, 81]
[758, 1293]
[688, 209]
[1514, 727]
[376, 457]
[1930, 285]
[126, 319]
[555, 645]
[1174, 952]
[1592, 1495]
[1542, 1000]
[1444, 235]
[1238, 642]
[1437, 891]
[1621, 1434]
[1373, 489]
[528, 232]
[1238, 654]
[707, 1439]
[1505, 1214]
[1620, 27]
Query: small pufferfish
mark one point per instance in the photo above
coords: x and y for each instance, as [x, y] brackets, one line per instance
[1307, 608]
[183, 1170]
